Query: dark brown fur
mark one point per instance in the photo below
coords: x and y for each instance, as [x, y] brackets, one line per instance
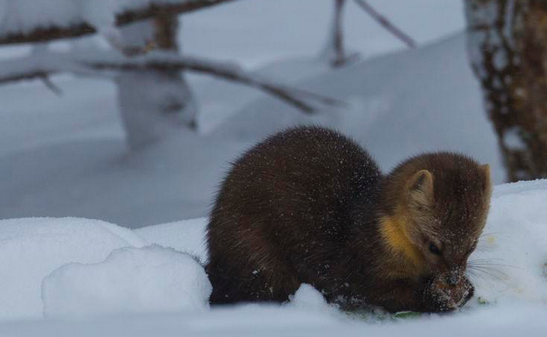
[308, 205]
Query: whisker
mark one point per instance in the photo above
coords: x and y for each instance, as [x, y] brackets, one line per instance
[491, 262]
[494, 273]
[478, 278]
[492, 265]
[485, 275]
[472, 275]
[488, 259]
[492, 269]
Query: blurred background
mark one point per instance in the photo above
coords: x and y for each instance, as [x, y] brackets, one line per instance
[131, 111]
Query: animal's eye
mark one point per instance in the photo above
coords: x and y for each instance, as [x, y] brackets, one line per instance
[434, 249]
[472, 248]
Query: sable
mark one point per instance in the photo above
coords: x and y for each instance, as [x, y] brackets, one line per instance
[308, 205]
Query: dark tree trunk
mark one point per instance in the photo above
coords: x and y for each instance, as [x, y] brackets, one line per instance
[507, 43]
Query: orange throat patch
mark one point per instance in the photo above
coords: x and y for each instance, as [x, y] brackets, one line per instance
[394, 232]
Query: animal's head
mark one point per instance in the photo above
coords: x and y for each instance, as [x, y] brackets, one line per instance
[437, 205]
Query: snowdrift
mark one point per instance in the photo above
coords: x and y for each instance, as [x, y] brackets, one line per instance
[30, 249]
[400, 105]
[130, 280]
[99, 272]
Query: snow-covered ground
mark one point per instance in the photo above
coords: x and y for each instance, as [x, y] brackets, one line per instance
[67, 157]
[118, 282]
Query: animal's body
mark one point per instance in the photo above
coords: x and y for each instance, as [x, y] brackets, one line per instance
[308, 205]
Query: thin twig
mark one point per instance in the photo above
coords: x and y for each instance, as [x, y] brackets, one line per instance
[384, 21]
[51, 86]
[99, 62]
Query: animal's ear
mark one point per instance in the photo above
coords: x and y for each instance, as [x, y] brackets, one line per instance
[420, 189]
[485, 169]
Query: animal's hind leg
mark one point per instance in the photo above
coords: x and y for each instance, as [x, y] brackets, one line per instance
[251, 284]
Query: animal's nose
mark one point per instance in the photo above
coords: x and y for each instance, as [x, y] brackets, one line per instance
[453, 277]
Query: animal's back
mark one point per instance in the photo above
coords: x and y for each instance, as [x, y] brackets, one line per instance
[283, 214]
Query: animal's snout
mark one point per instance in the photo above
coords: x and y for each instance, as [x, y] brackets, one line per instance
[454, 276]
[452, 279]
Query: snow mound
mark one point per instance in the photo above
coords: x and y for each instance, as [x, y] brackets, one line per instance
[510, 262]
[186, 236]
[307, 298]
[32, 248]
[130, 280]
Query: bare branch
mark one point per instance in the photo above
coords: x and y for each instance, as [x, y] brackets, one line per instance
[289, 95]
[384, 21]
[78, 29]
[97, 63]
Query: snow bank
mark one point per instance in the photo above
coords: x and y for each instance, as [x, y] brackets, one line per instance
[32, 248]
[509, 264]
[400, 104]
[89, 268]
[129, 280]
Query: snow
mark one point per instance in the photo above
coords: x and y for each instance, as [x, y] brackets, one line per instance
[307, 296]
[515, 245]
[151, 105]
[398, 105]
[26, 15]
[136, 290]
[186, 236]
[513, 140]
[30, 249]
[127, 280]
[250, 31]
[68, 156]
[309, 299]
[271, 321]
[130, 280]
[16, 16]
